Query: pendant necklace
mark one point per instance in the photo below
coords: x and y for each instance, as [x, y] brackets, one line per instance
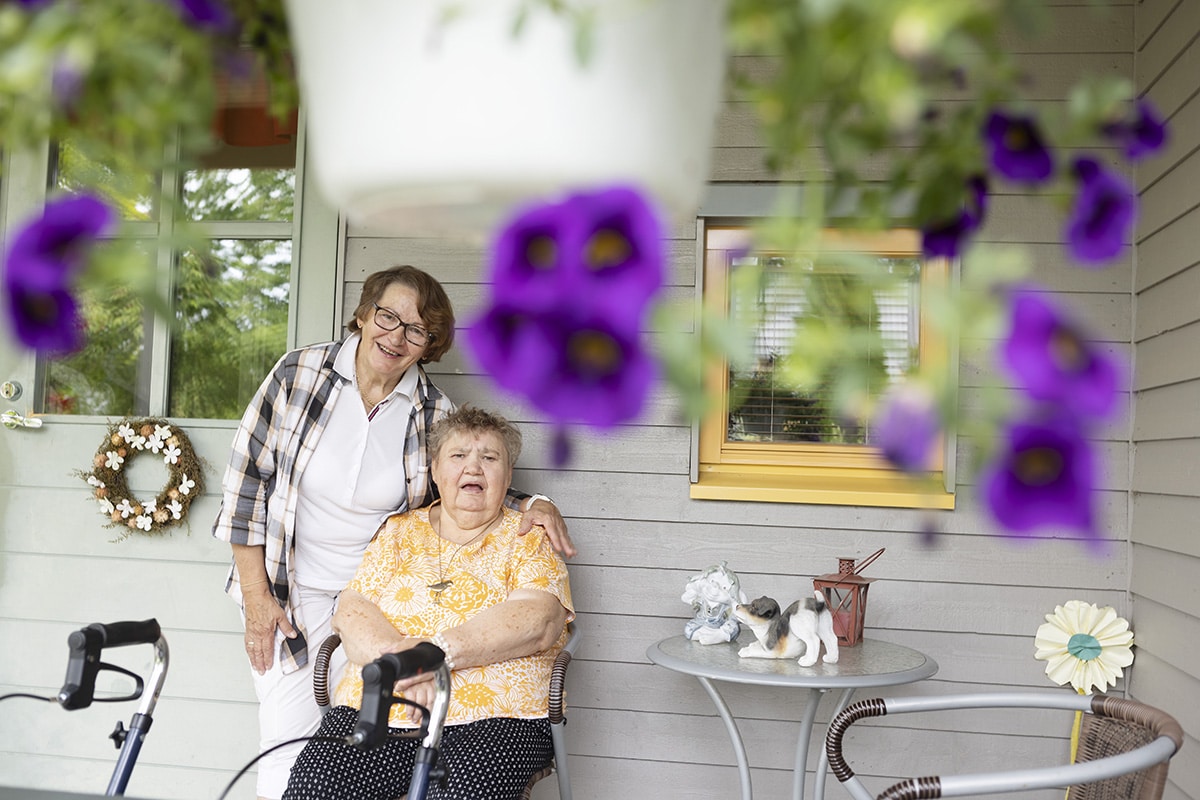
[442, 583]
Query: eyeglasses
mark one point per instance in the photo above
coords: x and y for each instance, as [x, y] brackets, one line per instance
[412, 332]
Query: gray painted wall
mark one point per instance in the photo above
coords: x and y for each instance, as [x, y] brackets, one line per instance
[1165, 496]
[970, 599]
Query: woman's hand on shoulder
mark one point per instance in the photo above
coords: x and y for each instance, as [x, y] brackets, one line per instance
[546, 514]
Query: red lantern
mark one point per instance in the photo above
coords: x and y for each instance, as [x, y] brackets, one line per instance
[846, 595]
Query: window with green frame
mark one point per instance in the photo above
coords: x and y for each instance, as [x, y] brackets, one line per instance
[772, 439]
[228, 275]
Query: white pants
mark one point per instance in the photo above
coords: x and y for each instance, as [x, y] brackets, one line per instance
[286, 708]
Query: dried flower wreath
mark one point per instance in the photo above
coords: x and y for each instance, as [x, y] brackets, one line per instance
[126, 440]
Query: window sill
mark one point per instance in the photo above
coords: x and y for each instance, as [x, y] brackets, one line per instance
[821, 486]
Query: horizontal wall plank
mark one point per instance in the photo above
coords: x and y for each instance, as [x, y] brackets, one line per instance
[1172, 196]
[1168, 251]
[456, 262]
[1168, 467]
[1167, 522]
[1168, 412]
[1175, 304]
[1171, 357]
[188, 596]
[1169, 634]
[1167, 578]
[894, 605]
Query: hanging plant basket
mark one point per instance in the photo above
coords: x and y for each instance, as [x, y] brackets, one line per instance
[436, 115]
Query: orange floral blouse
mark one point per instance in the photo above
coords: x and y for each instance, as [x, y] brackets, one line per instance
[407, 558]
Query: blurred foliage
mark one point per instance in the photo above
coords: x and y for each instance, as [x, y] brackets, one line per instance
[872, 113]
[229, 309]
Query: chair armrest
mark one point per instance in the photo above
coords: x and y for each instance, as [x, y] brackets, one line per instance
[321, 669]
[1166, 731]
[558, 675]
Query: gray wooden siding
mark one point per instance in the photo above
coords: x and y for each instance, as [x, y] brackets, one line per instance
[1165, 498]
[968, 598]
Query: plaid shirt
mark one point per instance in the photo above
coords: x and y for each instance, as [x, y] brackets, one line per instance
[274, 442]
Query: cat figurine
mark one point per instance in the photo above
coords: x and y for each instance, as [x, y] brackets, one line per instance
[798, 631]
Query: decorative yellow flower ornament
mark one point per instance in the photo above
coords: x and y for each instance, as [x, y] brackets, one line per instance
[1084, 645]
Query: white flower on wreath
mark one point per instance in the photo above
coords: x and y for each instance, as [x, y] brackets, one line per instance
[138, 442]
[112, 460]
[1084, 645]
[125, 507]
[94, 481]
[176, 509]
[171, 455]
[149, 506]
[186, 484]
[126, 432]
[106, 506]
[162, 432]
[144, 522]
[154, 444]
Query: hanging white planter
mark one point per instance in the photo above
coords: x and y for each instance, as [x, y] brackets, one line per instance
[435, 115]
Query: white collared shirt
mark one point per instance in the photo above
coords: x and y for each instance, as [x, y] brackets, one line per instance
[355, 479]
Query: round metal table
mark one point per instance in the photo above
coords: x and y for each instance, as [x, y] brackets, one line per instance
[869, 664]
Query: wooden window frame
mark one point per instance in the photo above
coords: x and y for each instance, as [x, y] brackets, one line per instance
[804, 472]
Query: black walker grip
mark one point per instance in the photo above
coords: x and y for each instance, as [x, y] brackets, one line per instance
[379, 677]
[79, 686]
[119, 634]
[425, 657]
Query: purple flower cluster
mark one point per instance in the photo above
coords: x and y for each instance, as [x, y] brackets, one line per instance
[213, 14]
[571, 284]
[1044, 472]
[944, 239]
[1102, 216]
[40, 271]
[906, 426]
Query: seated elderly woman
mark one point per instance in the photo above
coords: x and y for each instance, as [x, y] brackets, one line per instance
[455, 573]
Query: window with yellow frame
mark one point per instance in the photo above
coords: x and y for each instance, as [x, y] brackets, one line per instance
[770, 440]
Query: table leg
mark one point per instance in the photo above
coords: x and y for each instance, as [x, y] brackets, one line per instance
[735, 736]
[823, 762]
[806, 726]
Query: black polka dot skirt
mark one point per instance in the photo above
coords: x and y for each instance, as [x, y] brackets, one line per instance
[492, 759]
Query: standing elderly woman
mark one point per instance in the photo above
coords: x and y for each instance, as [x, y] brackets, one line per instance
[331, 444]
[460, 575]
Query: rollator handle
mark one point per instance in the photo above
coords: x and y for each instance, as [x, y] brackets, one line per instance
[84, 663]
[379, 679]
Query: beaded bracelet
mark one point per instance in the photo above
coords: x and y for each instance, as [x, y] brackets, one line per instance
[440, 641]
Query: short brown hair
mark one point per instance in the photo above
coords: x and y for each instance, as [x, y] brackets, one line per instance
[432, 304]
[469, 419]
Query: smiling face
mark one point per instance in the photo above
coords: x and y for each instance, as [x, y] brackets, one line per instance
[472, 473]
[385, 355]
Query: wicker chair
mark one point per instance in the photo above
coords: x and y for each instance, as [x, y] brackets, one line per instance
[558, 719]
[1125, 748]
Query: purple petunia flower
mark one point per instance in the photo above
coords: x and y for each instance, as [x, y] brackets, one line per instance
[40, 270]
[212, 14]
[906, 427]
[1053, 362]
[1044, 474]
[1016, 149]
[1101, 220]
[575, 366]
[66, 83]
[945, 240]
[1142, 135]
[607, 242]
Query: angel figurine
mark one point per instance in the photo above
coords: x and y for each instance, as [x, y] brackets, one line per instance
[713, 594]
